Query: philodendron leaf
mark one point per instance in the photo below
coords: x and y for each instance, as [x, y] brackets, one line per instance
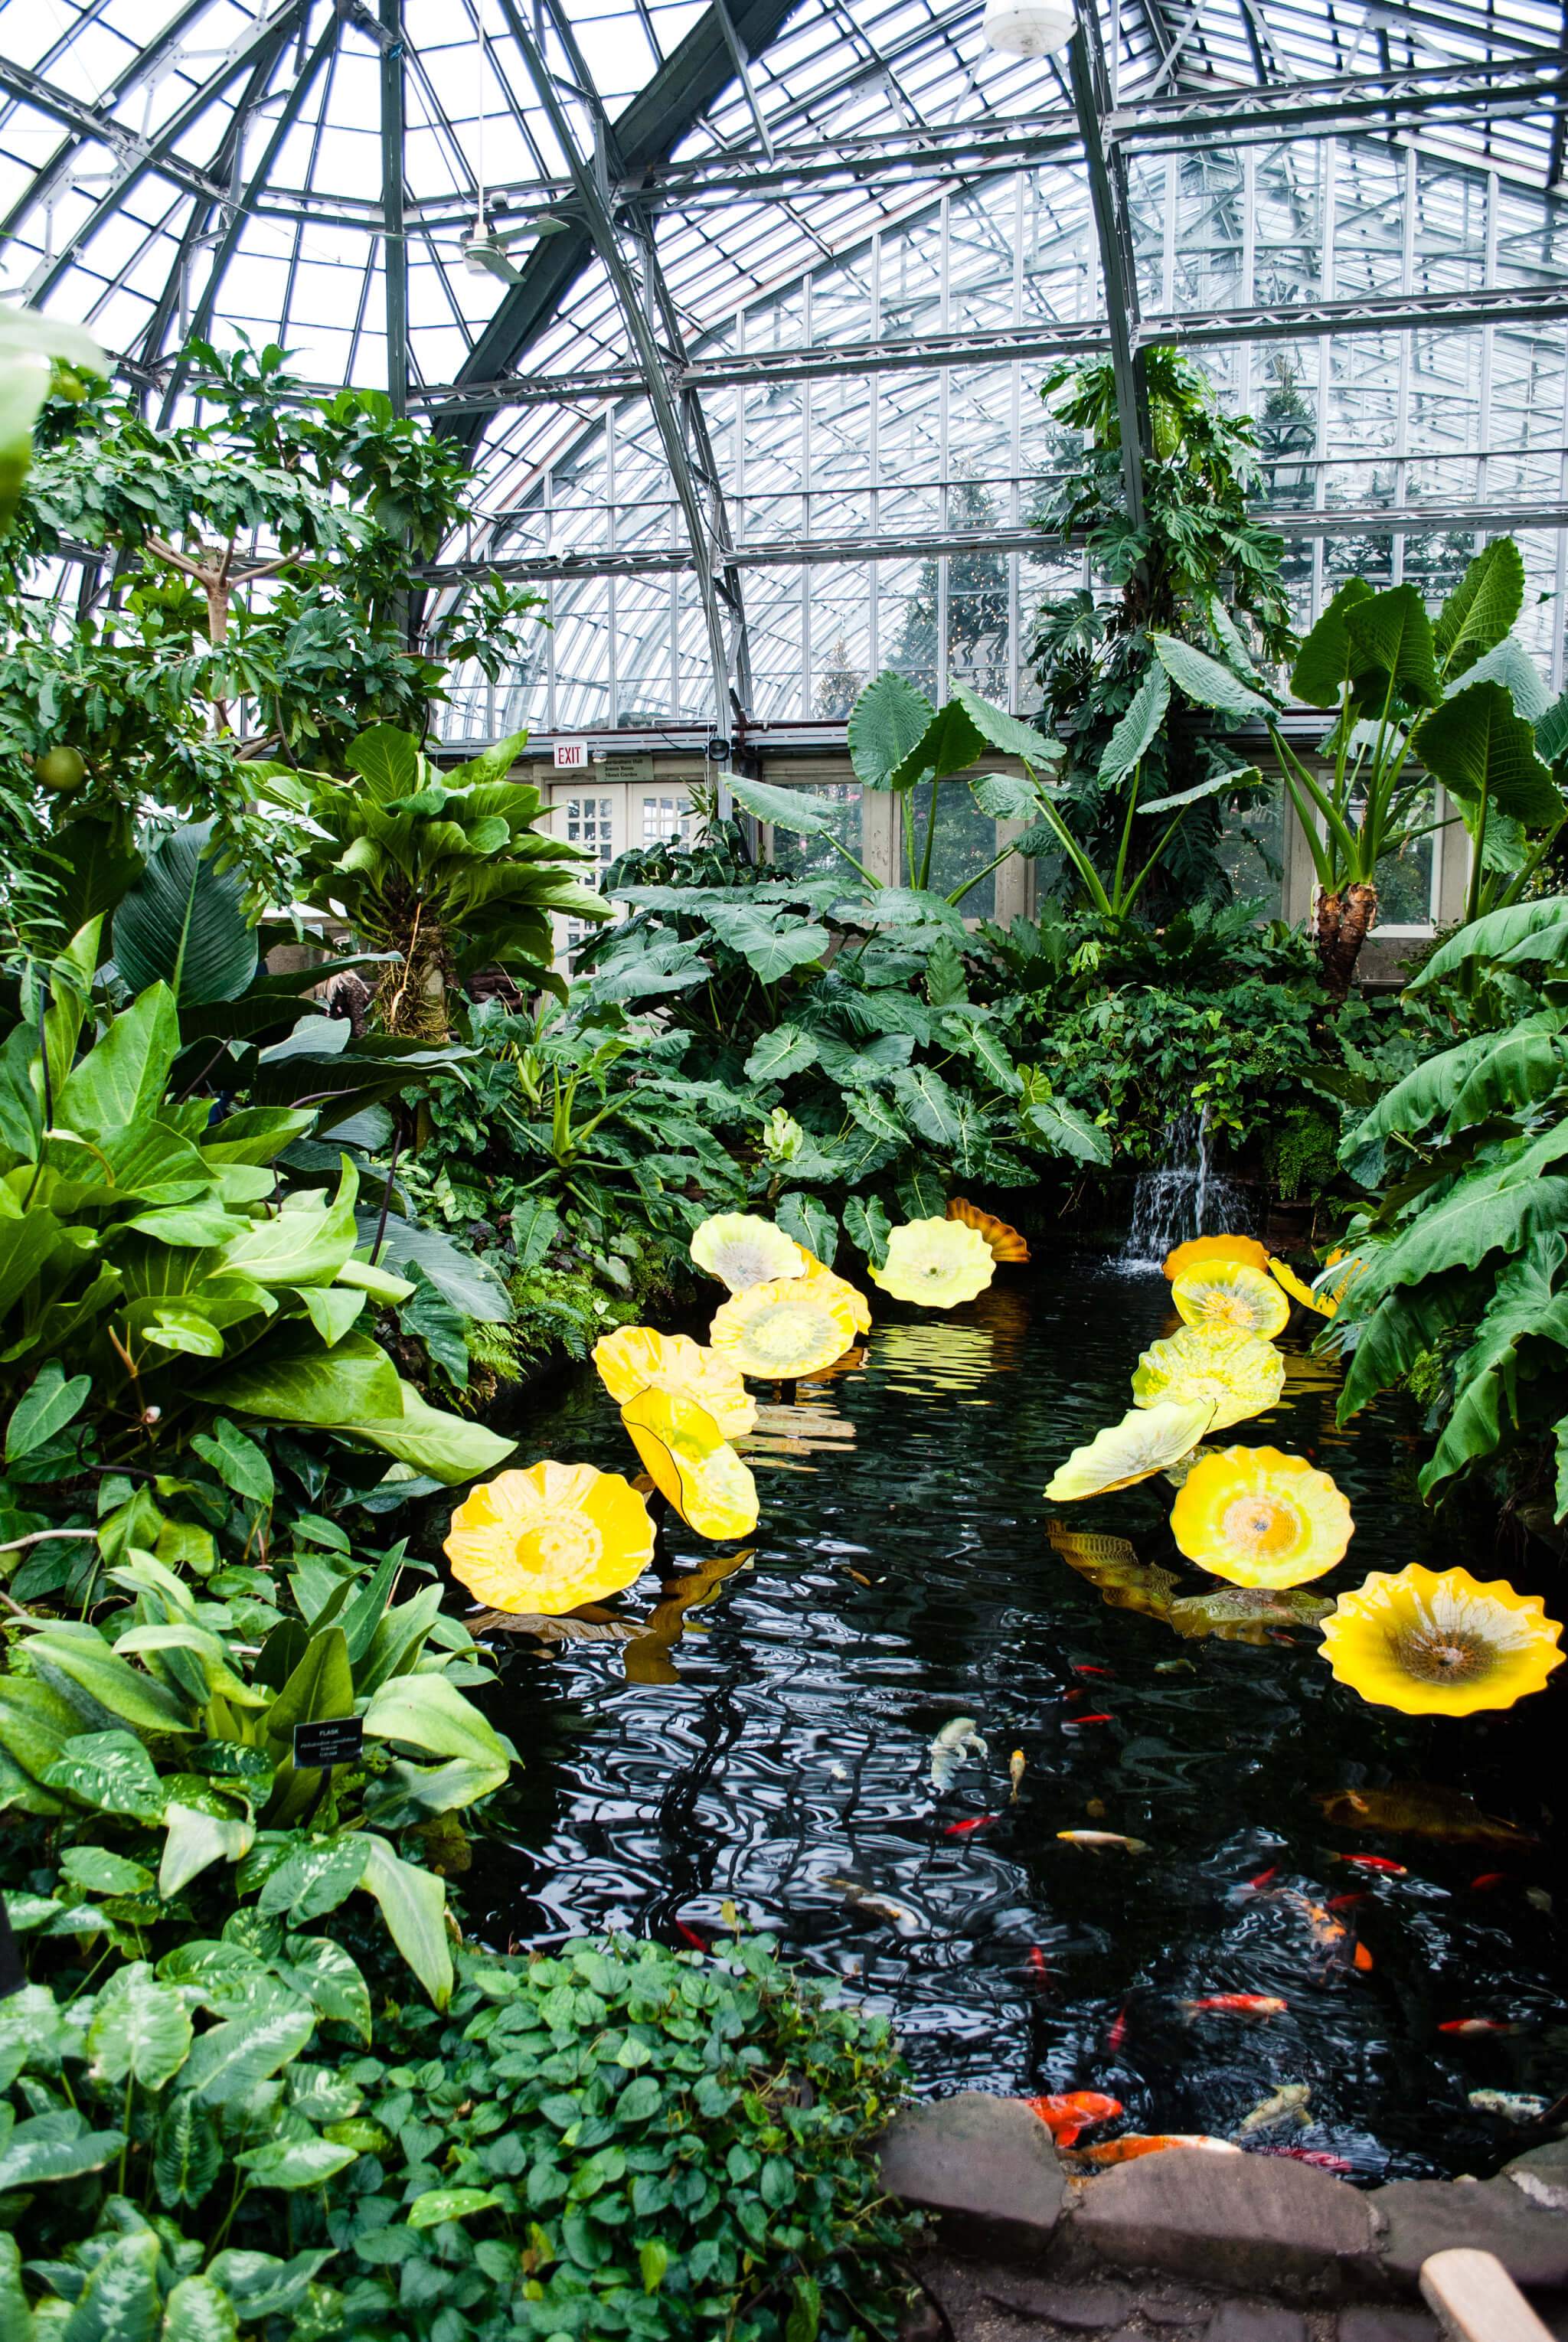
[1518, 933]
[1482, 607]
[227, 2062]
[414, 1905]
[186, 2156]
[111, 1771]
[1204, 681]
[801, 812]
[46, 1406]
[439, 2204]
[198, 2310]
[868, 1227]
[55, 2146]
[140, 2029]
[1133, 737]
[809, 1221]
[316, 1878]
[122, 1078]
[322, 1972]
[1061, 1129]
[295, 2163]
[782, 1051]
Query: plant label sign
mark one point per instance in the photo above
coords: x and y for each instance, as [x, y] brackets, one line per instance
[331, 1740]
[571, 756]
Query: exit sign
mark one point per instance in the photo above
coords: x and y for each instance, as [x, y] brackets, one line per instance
[571, 756]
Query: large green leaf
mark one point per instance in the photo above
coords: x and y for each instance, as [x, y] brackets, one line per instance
[447, 1446]
[772, 945]
[295, 2163]
[1390, 637]
[1519, 932]
[1481, 1216]
[304, 1244]
[123, 1078]
[458, 1275]
[123, 1691]
[1511, 664]
[868, 1227]
[140, 2029]
[796, 810]
[490, 768]
[1008, 734]
[427, 1713]
[329, 1979]
[885, 721]
[1129, 742]
[95, 870]
[1063, 1130]
[1551, 731]
[1522, 1307]
[950, 743]
[1483, 753]
[58, 2147]
[47, 1405]
[782, 1051]
[1429, 1090]
[1006, 797]
[1520, 1068]
[321, 1685]
[1403, 1326]
[195, 1841]
[1217, 784]
[414, 1905]
[337, 1389]
[387, 762]
[227, 2062]
[1482, 607]
[185, 926]
[316, 1879]
[198, 2310]
[931, 1107]
[256, 1134]
[1204, 681]
[1325, 661]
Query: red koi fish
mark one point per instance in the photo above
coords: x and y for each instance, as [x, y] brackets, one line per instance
[1118, 2032]
[1037, 1964]
[698, 1943]
[1236, 2004]
[1256, 1886]
[1342, 1902]
[1488, 1879]
[962, 1829]
[1374, 1862]
[1468, 2025]
[1103, 1718]
[1067, 2113]
[1084, 1668]
[1316, 2155]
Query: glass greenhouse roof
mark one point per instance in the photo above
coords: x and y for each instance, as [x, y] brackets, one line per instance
[847, 238]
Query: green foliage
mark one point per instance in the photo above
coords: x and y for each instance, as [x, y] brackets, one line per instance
[159, 1746]
[446, 872]
[619, 2139]
[1463, 1246]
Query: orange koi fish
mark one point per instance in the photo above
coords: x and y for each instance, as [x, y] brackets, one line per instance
[962, 1829]
[1236, 2004]
[1363, 1957]
[1374, 1862]
[1067, 2113]
[1136, 2143]
[1096, 1840]
[1466, 2025]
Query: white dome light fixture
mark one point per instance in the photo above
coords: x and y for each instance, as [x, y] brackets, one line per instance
[1028, 28]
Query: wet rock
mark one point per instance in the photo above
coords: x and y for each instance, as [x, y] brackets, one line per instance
[1256, 2321]
[986, 2165]
[1176, 2304]
[1254, 2223]
[1429, 2215]
[1082, 2308]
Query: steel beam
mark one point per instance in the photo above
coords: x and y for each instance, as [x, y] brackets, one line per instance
[1471, 92]
[393, 238]
[647, 133]
[656, 383]
[1112, 229]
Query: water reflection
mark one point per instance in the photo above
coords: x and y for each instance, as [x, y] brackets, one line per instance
[767, 1744]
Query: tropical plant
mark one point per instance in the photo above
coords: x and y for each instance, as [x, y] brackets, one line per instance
[613, 2138]
[155, 1271]
[1199, 567]
[1463, 1244]
[1459, 702]
[255, 570]
[446, 872]
[159, 1745]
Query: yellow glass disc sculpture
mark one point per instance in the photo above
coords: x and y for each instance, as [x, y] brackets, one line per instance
[1198, 1249]
[1440, 1644]
[1299, 1290]
[782, 1331]
[1144, 1441]
[1238, 1374]
[1231, 1293]
[548, 1538]
[1259, 1518]
[827, 1285]
[938, 1262]
[688, 1462]
[742, 1250]
[634, 1359]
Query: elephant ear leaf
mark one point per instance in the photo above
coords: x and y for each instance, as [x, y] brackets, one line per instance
[183, 923]
[1325, 662]
[1482, 607]
[885, 724]
[1482, 751]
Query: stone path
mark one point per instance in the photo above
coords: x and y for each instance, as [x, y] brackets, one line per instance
[991, 2301]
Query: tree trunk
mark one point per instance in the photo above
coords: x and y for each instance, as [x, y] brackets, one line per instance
[411, 998]
[1339, 933]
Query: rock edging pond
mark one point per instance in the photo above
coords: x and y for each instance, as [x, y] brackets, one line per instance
[1245, 2224]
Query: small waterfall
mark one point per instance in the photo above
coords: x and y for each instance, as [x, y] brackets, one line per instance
[1184, 1197]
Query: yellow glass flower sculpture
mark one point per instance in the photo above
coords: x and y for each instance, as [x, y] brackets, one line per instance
[937, 1262]
[1231, 1293]
[827, 1285]
[1299, 1291]
[1201, 1248]
[783, 1329]
[1144, 1441]
[1235, 1372]
[550, 1538]
[742, 1250]
[634, 1359]
[1005, 1242]
[1433, 1645]
[1259, 1518]
[687, 1461]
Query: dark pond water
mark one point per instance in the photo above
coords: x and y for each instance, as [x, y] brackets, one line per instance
[768, 1745]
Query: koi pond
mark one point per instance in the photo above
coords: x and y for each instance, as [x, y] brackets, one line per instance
[754, 1729]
